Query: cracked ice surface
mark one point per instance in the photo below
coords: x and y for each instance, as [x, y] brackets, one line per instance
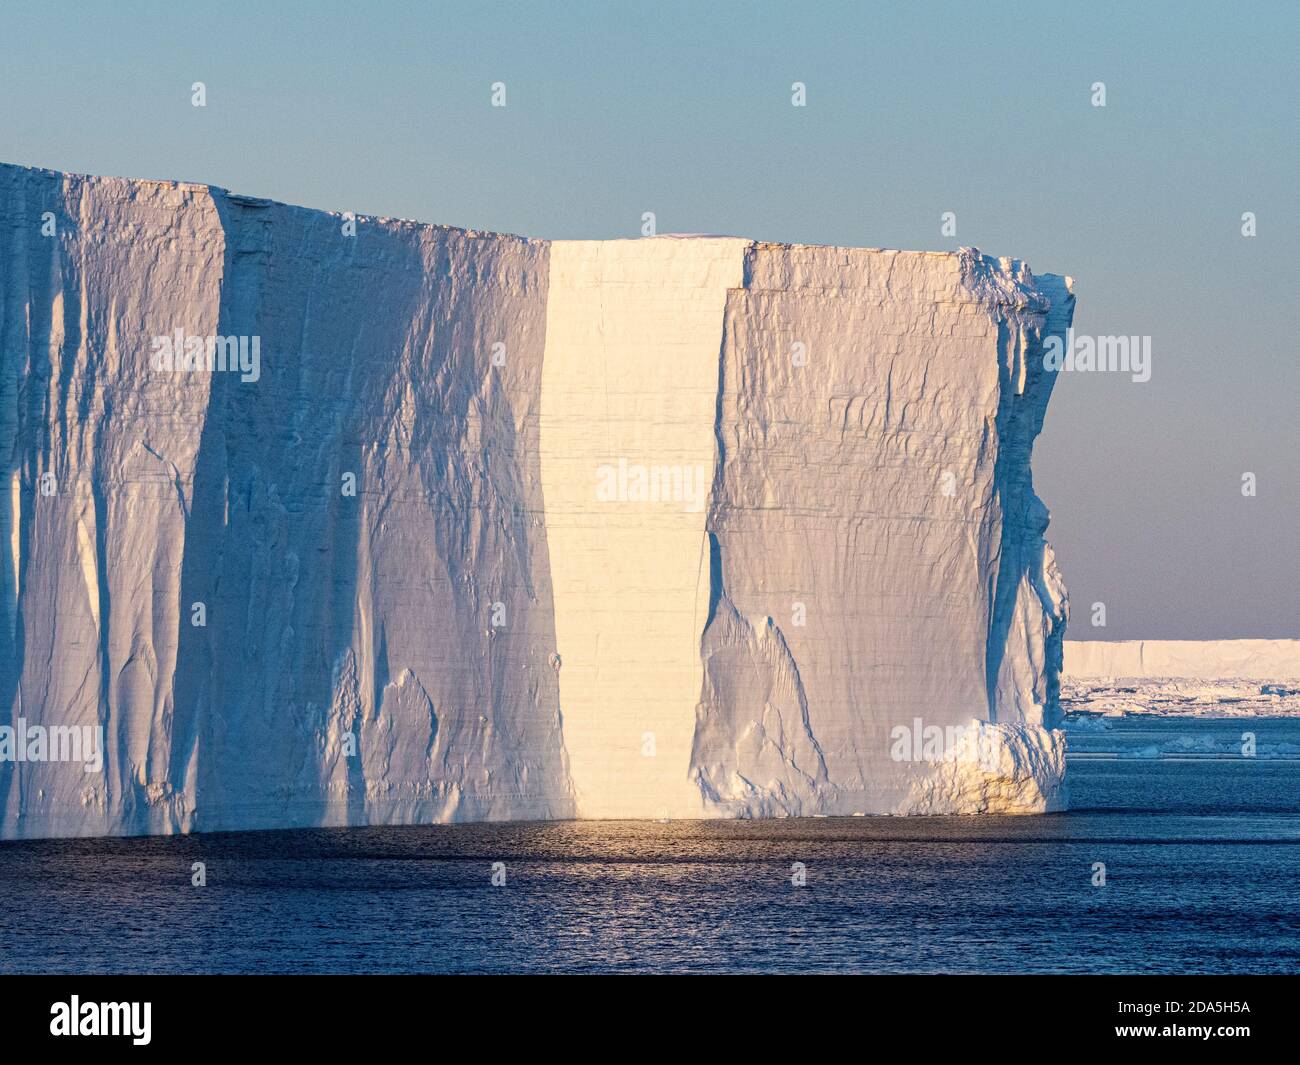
[614, 551]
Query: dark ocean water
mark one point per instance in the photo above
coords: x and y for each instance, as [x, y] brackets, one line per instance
[1202, 855]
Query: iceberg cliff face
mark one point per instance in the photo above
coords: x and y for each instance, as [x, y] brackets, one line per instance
[877, 552]
[477, 527]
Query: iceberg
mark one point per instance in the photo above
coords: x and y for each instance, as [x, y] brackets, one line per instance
[332, 519]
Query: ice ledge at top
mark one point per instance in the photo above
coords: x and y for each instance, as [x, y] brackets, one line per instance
[867, 567]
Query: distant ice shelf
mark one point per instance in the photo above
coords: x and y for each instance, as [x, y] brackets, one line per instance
[1182, 678]
[1198, 659]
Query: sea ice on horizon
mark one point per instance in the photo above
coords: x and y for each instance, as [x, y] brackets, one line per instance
[1181, 678]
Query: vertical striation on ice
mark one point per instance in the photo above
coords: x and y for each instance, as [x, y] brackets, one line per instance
[333, 621]
[873, 517]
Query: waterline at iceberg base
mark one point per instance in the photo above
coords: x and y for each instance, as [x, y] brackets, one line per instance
[508, 529]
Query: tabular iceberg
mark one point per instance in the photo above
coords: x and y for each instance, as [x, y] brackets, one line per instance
[319, 519]
[1189, 659]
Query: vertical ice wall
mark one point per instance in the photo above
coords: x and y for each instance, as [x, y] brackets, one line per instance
[389, 646]
[351, 523]
[877, 553]
[99, 458]
[629, 397]
[503, 529]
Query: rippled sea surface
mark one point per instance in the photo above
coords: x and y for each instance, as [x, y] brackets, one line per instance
[1202, 856]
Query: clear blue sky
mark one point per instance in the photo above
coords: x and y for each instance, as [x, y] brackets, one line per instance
[913, 109]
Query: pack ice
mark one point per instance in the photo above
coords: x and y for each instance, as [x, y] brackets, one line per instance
[314, 519]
